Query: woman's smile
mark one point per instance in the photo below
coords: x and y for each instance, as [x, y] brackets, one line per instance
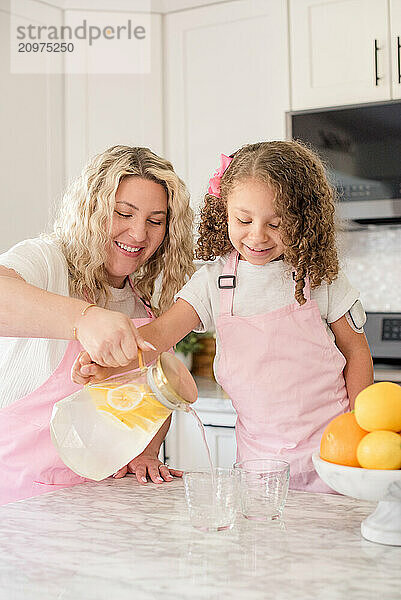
[127, 250]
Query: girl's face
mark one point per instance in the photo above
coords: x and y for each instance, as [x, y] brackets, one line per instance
[138, 227]
[252, 222]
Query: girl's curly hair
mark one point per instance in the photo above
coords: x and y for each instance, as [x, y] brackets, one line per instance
[304, 202]
[83, 226]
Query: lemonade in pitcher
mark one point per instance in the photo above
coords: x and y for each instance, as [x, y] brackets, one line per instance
[102, 427]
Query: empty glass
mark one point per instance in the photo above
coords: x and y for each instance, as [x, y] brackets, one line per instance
[263, 487]
[212, 504]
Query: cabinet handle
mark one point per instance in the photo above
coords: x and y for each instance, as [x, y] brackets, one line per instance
[219, 426]
[399, 58]
[377, 78]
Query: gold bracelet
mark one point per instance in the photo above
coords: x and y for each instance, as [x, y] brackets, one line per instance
[74, 329]
[86, 308]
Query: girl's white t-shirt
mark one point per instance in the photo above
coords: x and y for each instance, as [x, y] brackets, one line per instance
[26, 363]
[261, 289]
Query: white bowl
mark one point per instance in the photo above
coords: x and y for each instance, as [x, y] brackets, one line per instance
[366, 484]
[384, 524]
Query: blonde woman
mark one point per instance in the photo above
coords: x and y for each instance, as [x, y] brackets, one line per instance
[124, 223]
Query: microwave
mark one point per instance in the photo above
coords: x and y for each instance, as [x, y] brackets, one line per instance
[361, 148]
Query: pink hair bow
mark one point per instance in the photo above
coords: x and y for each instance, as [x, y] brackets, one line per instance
[214, 182]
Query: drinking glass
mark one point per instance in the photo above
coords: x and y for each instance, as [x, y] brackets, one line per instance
[263, 485]
[212, 501]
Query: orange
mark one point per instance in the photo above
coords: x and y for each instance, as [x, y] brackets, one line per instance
[378, 407]
[340, 440]
[380, 450]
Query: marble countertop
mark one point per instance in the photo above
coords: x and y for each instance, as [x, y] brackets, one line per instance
[118, 540]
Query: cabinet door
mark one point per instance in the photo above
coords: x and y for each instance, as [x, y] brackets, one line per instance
[222, 444]
[227, 83]
[184, 447]
[103, 110]
[395, 42]
[339, 52]
[31, 125]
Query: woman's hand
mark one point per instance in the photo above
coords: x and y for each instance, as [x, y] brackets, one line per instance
[148, 465]
[85, 371]
[109, 337]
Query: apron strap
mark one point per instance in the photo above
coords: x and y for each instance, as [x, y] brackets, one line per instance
[306, 286]
[227, 283]
[147, 307]
[228, 280]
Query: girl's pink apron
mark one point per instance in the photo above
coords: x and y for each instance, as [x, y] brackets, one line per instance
[29, 463]
[284, 376]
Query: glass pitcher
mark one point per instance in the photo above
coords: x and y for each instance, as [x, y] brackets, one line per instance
[102, 427]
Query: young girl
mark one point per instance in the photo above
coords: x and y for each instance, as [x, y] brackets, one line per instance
[291, 352]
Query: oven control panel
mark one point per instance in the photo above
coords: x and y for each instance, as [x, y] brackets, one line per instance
[391, 329]
[383, 331]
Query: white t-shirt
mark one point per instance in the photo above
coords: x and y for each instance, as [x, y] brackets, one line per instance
[261, 289]
[26, 363]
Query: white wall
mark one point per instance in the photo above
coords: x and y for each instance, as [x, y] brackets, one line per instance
[32, 140]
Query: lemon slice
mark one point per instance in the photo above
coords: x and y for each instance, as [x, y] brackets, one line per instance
[113, 419]
[125, 397]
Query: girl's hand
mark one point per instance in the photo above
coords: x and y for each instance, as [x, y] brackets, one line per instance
[85, 371]
[109, 337]
[148, 465]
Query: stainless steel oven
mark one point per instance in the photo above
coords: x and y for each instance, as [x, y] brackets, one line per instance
[383, 331]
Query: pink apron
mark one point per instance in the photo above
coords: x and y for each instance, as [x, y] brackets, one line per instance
[284, 376]
[29, 463]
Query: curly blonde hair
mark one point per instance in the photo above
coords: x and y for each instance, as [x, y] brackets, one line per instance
[304, 201]
[83, 226]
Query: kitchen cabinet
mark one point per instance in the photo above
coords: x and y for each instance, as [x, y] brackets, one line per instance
[32, 130]
[395, 43]
[103, 110]
[222, 444]
[226, 83]
[344, 51]
[55, 122]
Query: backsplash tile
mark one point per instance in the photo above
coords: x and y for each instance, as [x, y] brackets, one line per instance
[371, 259]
